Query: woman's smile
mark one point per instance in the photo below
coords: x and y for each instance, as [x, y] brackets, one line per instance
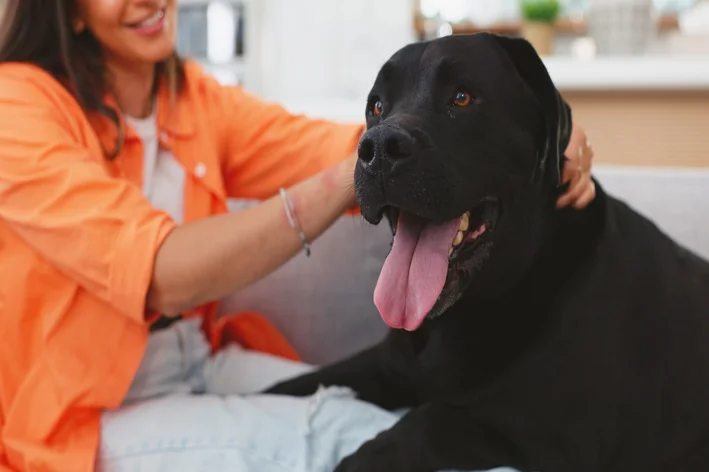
[152, 25]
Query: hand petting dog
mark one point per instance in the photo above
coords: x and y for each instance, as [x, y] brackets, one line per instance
[577, 171]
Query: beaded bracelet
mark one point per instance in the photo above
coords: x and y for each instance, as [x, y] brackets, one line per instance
[294, 221]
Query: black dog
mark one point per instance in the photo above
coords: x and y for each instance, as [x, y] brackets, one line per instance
[541, 339]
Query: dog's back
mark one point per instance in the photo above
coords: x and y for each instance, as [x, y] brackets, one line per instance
[655, 294]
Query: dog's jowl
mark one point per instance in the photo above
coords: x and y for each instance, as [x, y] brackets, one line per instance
[523, 336]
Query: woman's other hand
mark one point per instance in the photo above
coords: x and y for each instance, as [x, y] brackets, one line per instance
[577, 171]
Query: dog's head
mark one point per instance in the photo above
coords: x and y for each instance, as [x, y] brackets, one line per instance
[463, 155]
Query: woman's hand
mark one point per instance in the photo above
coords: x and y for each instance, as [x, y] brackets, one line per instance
[577, 171]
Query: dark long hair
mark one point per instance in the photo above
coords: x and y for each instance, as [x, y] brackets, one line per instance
[40, 32]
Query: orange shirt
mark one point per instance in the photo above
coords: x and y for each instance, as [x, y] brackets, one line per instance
[78, 240]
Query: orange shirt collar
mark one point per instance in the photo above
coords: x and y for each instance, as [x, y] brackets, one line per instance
[173, 117]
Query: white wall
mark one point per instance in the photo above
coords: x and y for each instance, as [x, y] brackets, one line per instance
[322, 50]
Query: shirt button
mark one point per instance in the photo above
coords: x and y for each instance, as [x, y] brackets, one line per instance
[200, 170]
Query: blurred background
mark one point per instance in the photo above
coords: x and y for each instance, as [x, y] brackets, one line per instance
[636, 72]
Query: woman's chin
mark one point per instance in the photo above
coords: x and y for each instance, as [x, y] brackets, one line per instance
[158, 53]
[138, 58]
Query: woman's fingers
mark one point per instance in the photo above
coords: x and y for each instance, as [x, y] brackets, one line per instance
[578, 187]
[586, 197]
[577, 171]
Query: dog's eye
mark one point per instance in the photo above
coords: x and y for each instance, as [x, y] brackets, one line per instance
[462, 99]
[377, 108]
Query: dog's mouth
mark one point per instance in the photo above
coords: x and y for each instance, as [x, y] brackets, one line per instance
[431, 264]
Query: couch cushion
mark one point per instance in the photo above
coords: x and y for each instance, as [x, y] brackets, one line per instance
[676, 199]
[324, 304]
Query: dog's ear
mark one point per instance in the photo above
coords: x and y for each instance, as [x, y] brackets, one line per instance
[556, 112]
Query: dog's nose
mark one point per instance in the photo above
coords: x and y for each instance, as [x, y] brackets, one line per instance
[385, 144]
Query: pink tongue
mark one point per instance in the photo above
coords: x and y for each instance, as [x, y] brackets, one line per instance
[415, 271]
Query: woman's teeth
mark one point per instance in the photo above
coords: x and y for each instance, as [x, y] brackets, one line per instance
[157, 16]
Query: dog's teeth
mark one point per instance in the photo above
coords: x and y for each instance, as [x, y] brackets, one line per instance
[464, 222]
[450, 251]
[458, 238]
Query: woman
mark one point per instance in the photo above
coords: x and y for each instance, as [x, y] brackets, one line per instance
[116, 161]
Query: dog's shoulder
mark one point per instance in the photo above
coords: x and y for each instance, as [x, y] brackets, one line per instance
[634, 268]
[614, 263]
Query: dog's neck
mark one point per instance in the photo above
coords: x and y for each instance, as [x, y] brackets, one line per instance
[502, 327]
[567, 237]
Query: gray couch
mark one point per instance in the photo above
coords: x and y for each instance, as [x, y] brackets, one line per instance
[324, 304]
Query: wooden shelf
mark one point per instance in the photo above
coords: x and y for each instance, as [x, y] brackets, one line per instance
[665, 23]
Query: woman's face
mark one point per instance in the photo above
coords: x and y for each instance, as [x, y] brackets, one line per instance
[130, 31]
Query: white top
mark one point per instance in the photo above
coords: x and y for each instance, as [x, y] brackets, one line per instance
[163, 176]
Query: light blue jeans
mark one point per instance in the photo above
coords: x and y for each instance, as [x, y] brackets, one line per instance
[189, 412]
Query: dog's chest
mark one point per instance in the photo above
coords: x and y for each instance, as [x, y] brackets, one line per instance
[468, 349]
[442, 365]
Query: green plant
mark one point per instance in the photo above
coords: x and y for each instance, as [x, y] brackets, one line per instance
[546, 11]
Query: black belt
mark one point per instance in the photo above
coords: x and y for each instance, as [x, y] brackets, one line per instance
[164, 322]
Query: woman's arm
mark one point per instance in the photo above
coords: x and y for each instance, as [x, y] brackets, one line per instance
[208, 259]
[263, 148]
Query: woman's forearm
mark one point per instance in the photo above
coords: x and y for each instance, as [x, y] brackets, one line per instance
[206, 260]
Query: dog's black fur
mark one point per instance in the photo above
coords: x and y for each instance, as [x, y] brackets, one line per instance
[578, 343]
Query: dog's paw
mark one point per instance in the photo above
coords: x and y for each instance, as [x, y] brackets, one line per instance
[376, 456]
